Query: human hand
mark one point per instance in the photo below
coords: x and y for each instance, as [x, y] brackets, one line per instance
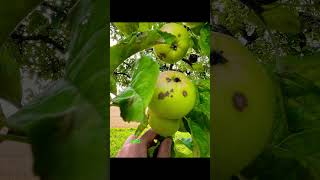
[139, 149]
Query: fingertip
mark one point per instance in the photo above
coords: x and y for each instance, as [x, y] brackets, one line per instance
[165, 148]
[148, 137]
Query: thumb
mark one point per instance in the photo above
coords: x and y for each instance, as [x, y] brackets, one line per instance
[165, 148]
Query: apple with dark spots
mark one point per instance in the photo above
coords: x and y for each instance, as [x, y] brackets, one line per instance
[171, 53]
[174, 95]
[162, 126]
[243, 108]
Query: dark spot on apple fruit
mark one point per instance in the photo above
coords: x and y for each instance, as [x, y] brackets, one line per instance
[171, 96]
[240, 101]
[161, 95]
[184, 93]
[162, 55]
[171, 90]
[177, 79]
[168, 79]
[174, 46]
[167, 93]
[179, 35]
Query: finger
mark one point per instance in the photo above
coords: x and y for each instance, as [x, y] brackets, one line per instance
[165, 148]
[148, 138]
[130, 138]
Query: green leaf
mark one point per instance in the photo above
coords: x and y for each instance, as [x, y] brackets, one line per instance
[283, 19]
[303, 112]
[145, 26]
[127, 28]
[280, 123]
[198, 67]
[295, 85]
[199, 120]
[203, 99]
[113, 85]
[204, 40]
[269, 165]
[10, 78]
[304, 66]
[135, 43]
[67, 124]
[185, 141]
[201, 138]
[134, 100]
[195, 44]
[304, 147]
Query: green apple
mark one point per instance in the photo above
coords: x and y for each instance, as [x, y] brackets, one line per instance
[243, 107]
[162, 126]
[171, 53]
[174, 95]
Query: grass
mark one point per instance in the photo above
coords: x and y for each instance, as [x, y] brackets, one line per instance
[119, 135]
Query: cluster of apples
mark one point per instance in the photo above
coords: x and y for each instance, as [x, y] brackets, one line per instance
[175, 94]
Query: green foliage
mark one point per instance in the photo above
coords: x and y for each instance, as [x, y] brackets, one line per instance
[10, 77]
[134, 100]
[282, 18]
[204, 40]
[199, 120]
[68, 120]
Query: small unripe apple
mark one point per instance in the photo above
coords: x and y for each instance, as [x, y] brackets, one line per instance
[162, 126]
[174, 95]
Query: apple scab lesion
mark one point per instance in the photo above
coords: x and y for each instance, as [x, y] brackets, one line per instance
[174, 46]
[168, 79]
[176, 79]
[184, 93]
[162, 55]
[162, 95]
[240, 101]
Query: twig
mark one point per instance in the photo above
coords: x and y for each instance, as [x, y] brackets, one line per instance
[120, 73]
